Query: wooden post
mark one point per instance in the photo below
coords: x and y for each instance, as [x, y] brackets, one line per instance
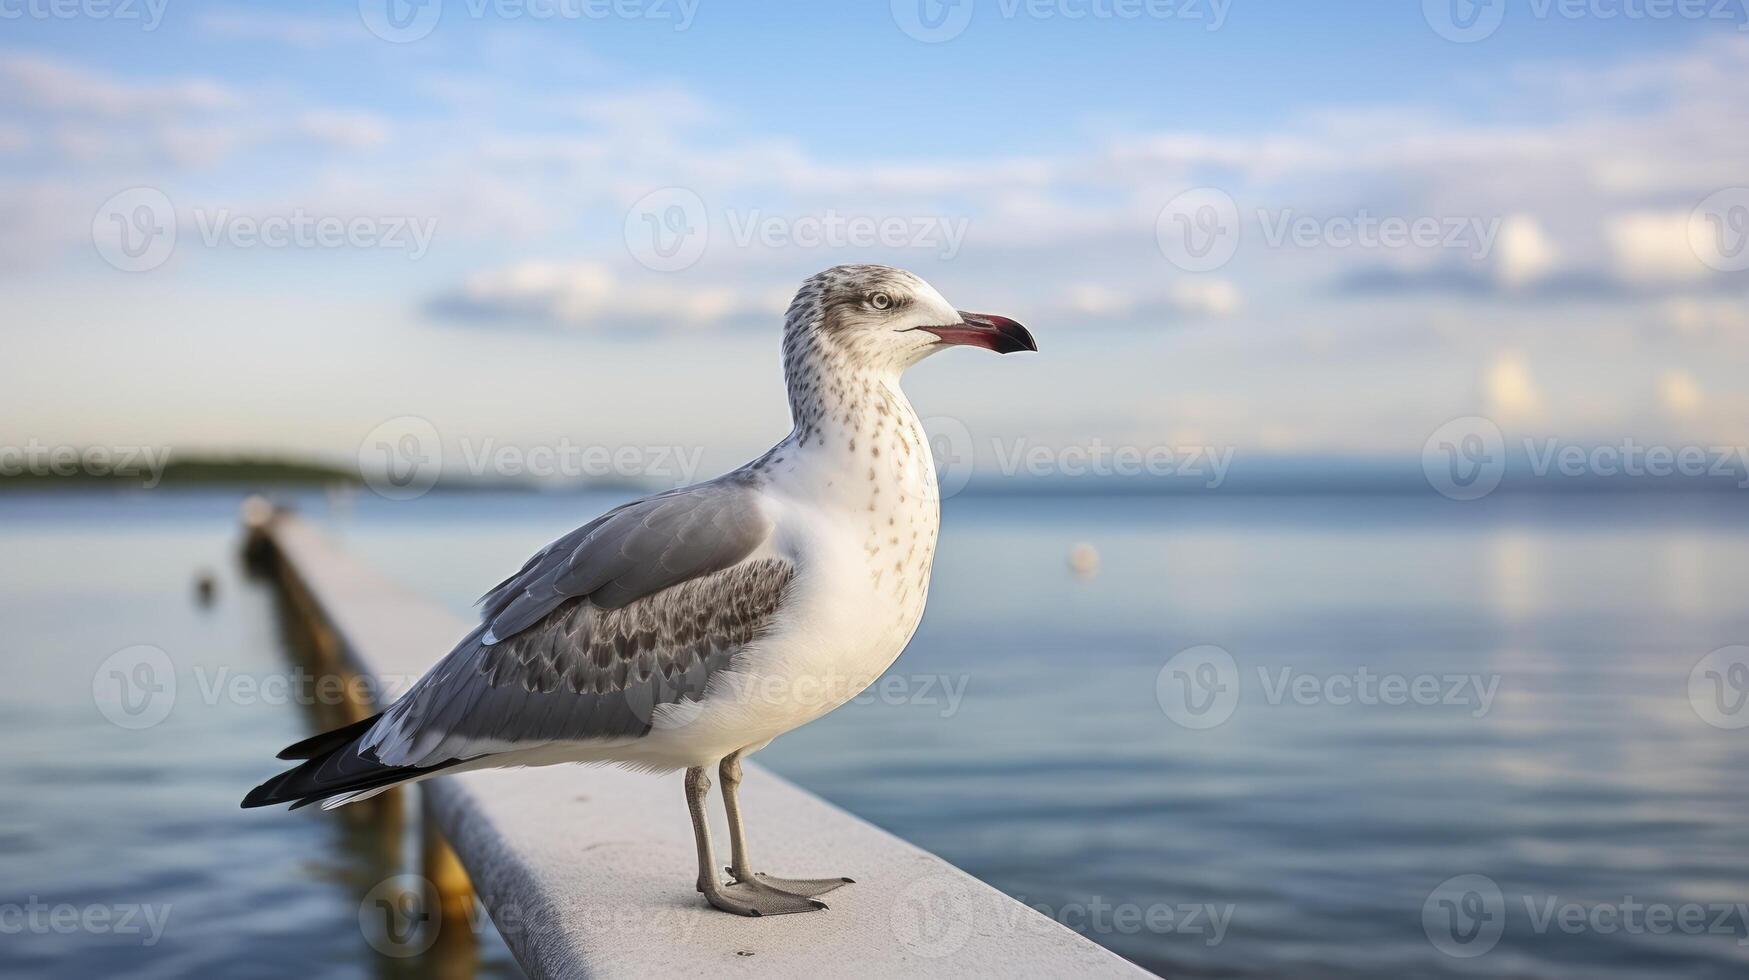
[327, 649]
[441, 867]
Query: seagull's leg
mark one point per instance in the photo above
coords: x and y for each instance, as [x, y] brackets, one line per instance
[739, 867]
[741, 898]
[730, 771]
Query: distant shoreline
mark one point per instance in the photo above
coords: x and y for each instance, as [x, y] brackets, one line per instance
[1275, 476]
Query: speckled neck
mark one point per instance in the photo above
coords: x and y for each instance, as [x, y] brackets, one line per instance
[863, 448]
[832, 383]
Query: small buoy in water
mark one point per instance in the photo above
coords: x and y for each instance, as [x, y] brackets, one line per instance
[257, 512]
[205, 587]
[1084, 560]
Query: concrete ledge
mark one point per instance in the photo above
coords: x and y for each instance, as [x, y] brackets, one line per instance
[587, 872]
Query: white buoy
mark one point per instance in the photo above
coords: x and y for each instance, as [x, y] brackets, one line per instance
[1084, 560]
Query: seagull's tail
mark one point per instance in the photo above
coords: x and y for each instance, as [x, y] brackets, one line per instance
[334, 769]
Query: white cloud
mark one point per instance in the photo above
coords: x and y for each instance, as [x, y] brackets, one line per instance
[1187, 297]
[357, 130]
[41, 84]
[1205, 297]
[1093, 300]
[662, 109]
[1705, 319]
[1651, 247]
[1525, 253]
[305, 30]
[1511, 391]
[1679, 394]
[590, 295]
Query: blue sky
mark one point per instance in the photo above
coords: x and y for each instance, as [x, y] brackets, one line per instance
[1035, 163]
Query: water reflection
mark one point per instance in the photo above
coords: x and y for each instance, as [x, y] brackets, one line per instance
[1326, 825]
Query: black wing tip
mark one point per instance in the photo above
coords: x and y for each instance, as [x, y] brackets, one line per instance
[305, 783]
[264, 795]
[323, 743]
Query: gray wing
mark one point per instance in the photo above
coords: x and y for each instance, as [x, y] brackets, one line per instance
[634, 610]
[632, 551]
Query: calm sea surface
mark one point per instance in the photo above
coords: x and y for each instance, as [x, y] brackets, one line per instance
[1190, 755]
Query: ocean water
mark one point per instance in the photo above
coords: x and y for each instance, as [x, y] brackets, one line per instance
[1325, 735]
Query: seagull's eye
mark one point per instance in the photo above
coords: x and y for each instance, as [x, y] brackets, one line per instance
[880, 301]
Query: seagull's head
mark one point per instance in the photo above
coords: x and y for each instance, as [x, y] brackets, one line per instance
[885, 318]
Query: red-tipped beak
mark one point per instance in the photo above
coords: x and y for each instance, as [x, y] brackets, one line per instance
[986, 330]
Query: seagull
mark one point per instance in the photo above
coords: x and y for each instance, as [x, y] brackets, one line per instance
[688, 629]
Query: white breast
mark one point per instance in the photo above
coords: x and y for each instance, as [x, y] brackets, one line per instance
[858, 514]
